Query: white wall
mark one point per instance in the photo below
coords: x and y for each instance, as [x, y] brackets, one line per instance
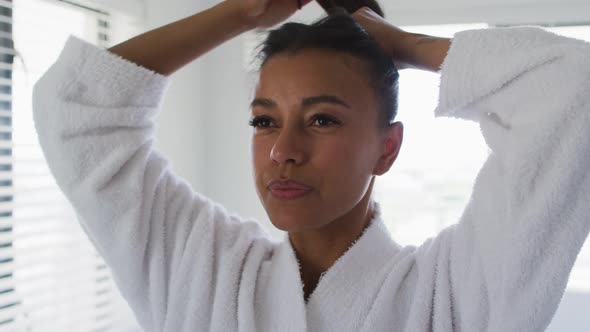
[178, 124]
[573, 313]
[418, 12]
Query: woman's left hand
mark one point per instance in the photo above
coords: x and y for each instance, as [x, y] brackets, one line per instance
[391, 38]
[408, 50]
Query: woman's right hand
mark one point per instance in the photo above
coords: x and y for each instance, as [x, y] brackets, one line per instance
[266, 13]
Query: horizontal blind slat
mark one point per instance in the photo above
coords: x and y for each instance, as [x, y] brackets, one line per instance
[63, 320]
[34, 220]
[4, 175]
[8, 298]
[35, 271]
[6, 50]
[8, 206]
[42, 289]
[5, 19]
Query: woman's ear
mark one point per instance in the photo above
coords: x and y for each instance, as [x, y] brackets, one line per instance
[394, 135]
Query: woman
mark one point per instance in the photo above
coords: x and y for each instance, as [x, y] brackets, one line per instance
[323, 118]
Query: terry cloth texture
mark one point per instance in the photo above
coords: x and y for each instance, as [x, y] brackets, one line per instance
[184, 263]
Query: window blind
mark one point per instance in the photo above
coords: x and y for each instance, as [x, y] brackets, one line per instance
[8, 300]
[51, 277]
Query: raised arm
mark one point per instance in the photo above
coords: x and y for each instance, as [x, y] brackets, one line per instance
[170, 47]
[528, 215]
[505, 266]
[408, 50]
[93, 111]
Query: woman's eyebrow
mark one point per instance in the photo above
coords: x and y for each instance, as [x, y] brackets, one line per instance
[306, 102]
[310, 101]
[263, 102]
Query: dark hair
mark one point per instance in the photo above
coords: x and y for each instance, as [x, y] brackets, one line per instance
[340, 32]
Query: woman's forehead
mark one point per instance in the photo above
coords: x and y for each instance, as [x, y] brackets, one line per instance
[314, 72]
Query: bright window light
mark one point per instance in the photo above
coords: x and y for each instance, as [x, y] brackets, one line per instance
[429, 185]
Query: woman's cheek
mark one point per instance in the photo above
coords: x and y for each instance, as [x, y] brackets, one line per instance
[337, 159]
[261, 149]
[260, 160]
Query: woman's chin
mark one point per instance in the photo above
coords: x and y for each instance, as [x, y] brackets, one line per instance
[293, 221]
[292, 228]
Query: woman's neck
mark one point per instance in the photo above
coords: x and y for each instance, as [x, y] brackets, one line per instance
[319, 249]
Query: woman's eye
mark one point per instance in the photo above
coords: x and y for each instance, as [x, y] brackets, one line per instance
[324, 120]
[261, 122]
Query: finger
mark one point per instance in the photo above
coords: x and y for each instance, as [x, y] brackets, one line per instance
[361, 14]
[368, 13]
[302, 3]
[362, 10]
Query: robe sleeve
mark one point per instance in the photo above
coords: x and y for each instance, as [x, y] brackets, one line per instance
[510, 256]
[93, 112]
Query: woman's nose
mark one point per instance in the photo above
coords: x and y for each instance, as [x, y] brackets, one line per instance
[288, 148]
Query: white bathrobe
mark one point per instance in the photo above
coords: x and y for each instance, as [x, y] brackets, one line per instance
[184, 263]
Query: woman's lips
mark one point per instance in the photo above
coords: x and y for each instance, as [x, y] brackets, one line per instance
[289, 189]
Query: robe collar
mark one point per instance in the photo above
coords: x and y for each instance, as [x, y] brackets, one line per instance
[342, 288]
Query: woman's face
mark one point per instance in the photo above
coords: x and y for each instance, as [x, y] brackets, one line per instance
[315, 118]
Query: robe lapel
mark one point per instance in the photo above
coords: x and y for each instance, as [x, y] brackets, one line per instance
[345, 294]
[280, 293]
